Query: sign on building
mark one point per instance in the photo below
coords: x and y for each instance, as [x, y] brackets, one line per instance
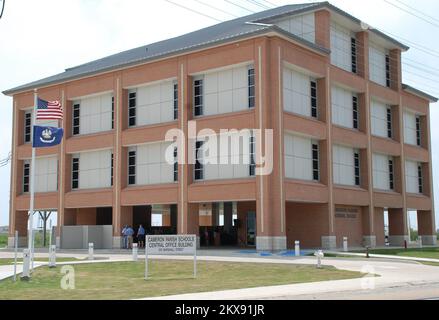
[170, 244]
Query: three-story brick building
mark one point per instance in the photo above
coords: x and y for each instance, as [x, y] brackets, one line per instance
[351, 141]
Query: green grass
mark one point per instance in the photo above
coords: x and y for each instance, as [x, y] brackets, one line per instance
[124, 280]
[7, 261]
[3, 240]
[432, 253]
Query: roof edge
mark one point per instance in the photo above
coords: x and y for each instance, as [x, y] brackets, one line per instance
[419, 93]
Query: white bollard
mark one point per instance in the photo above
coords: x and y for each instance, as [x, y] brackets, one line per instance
[90, 251]
[345, 244]
[26, 265]
[135, 251]
[52, 256]
[420, 241]
[319, 254]
[297, 248]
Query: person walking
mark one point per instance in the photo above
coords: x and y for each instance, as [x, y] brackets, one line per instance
[141, 236]
[124, 238]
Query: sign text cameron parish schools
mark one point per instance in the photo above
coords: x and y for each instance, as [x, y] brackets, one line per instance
[166, 244]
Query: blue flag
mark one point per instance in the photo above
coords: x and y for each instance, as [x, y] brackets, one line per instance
[47, 136]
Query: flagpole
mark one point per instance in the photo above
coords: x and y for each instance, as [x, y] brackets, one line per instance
[32, 186]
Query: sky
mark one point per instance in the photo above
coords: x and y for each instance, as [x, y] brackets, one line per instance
[42, 38]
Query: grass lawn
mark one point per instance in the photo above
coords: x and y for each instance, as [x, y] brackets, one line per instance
[432, 253]
[124, 280]
[3, 240]
[6, 261]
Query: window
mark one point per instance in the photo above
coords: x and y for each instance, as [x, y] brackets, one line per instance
[315, 162]
[26, 174]
[387, 70]
[175, 101]
[199, 167]
[341, 46]
[132, 108]
[112, 162]
[27, 126]
[75, 173]
[420, 184]
[76, 115]
[301, 158]
[355, 112]
[175, 164]
[198, 97]
[389, 123]
[302, 26]
[354, 54]
[132, 167]
[252, 167]
[379, 67]
[300, 93]
[344, 108]
[313, 99]
[112, 112]
[251, 88]
[357, 168]
[391, 175]
[418, 130]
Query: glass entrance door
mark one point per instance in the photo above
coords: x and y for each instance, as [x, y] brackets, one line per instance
[251, 229]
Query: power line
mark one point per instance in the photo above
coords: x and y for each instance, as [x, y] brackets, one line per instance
[412, 14]
[239, 6]
[194, 11]
[216, 8]
[263, 6]
[419, 11]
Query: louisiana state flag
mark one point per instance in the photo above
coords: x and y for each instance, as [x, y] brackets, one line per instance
[47, 136]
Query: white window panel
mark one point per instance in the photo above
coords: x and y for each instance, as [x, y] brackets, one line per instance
[381, 174]
[341, 55]
[342, 110]
[151, 164]
[95, 115]
[226, 91]
[410, 128]
[228, 170]
[298, 157]
[377, 64]
[411, 176]
[46, 174]
[302, 26]
[379, 118]
[155, 103]
[95, 169]
[297, 92]
[343, 165]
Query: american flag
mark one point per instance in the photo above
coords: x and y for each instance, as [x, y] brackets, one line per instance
[49, 110]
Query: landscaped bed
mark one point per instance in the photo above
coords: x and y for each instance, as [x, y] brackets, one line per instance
[125, 280]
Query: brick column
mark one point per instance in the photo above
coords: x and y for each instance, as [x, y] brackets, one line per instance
[395, 69]
[323, 27]
[363, 54]
[398, 232]
[426, 227]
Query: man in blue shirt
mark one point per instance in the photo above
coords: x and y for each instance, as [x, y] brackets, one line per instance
[129, 232]
[141, 236]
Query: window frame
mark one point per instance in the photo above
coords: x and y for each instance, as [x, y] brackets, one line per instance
[355, 113]
[75, 173]
[132, 108]
[315, 155]
[354, 62]
[132, 155]
[251, 81]
[357, 168]
[26, 177]
[198, 166]
[28, 127]
[313, 97]
[76, 118]
[175, 100]
[391, 174]
[198, 109]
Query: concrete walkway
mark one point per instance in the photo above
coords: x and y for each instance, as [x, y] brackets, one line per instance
[383, 256]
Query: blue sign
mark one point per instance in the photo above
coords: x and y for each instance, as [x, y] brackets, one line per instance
[47, 136]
